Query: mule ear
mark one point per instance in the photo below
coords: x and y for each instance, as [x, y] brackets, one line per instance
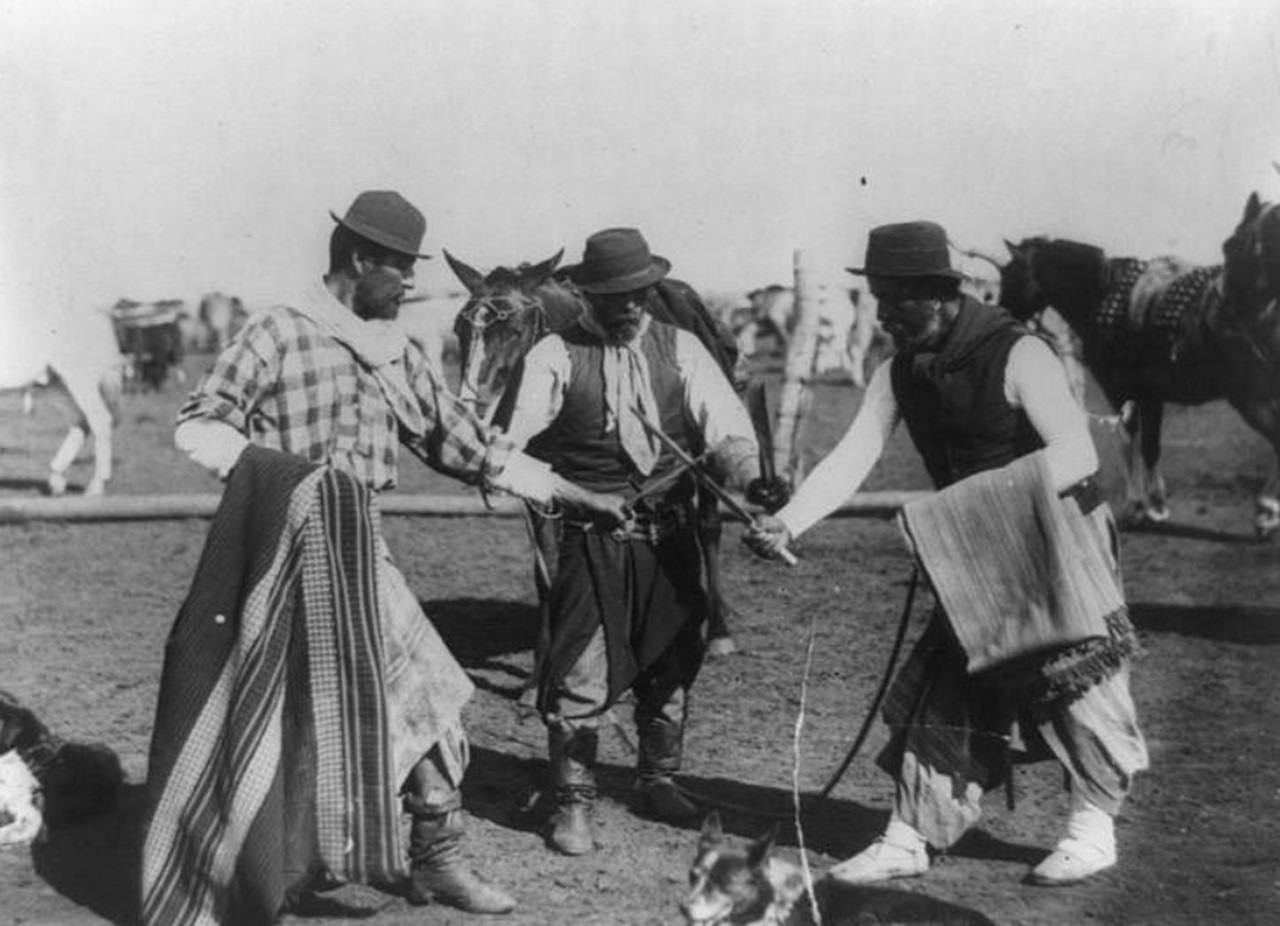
[1013, 249]
[1252, 207]
[471, 278]
[711, 830]
[535, 276]
[759, 850]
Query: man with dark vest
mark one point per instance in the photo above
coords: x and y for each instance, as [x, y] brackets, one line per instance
[627, 604]
[1026, 654]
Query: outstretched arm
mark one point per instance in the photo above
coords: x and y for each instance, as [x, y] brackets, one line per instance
[839, 474]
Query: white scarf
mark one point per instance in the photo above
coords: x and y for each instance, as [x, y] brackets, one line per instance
[378, 345]
[628, 395]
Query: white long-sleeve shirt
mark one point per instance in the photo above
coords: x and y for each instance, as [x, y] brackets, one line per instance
[714, 408]
[1035, 382]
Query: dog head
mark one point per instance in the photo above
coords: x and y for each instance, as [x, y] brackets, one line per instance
[738, 885]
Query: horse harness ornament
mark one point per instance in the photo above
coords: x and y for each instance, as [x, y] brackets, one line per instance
[1158, 305]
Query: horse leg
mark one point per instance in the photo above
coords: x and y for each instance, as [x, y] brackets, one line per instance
[1135, 507]
[710, 529]
[66, 454]
[1151, 416]
[1264, 417]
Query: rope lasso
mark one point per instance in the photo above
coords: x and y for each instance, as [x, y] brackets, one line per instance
[868, 721]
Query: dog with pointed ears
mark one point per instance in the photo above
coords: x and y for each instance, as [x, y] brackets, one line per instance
[742, 886]
[735, 885]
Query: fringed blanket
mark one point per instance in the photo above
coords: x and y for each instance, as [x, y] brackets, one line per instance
[1028, 582]
[270, 760]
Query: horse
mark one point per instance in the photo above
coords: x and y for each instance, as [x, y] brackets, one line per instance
[510, 309]
[82, 358]
[849, 339]
[1156, 331]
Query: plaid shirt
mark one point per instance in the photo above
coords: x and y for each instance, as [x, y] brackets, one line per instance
[288, 386]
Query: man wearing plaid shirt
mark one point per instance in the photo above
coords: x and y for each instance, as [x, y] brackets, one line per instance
[331, 378]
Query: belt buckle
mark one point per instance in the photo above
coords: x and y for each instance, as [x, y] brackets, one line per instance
[626, 529]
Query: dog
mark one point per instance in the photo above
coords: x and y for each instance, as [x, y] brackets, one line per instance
[731, 885]
[48, 781]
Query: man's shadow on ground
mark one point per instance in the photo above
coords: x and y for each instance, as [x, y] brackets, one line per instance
[500, 787]
[480, 632]
[1231, 623]
[97, 863]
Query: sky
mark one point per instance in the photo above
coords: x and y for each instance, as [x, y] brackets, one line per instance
[160, 149]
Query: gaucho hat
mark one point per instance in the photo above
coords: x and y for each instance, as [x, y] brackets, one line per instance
[386, 218]
[908, 249]
[617, 260]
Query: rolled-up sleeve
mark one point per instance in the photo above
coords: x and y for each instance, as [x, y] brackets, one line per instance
[716, 409]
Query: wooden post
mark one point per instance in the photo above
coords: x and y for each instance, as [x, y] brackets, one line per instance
[796, 397]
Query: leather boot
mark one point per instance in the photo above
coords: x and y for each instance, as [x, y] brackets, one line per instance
[438, 872]
[573, 784]
[661, 743]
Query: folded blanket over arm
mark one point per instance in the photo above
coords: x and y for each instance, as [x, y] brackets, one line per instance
[1029, 583]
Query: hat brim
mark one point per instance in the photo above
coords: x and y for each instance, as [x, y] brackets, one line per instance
[376, 236]
[867, 272]
[656, 271]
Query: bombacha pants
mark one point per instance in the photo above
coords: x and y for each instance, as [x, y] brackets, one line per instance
[951, 741]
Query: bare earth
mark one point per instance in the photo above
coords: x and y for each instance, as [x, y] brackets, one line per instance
[85, 608]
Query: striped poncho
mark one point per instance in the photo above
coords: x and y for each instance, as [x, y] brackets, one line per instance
[270, 760]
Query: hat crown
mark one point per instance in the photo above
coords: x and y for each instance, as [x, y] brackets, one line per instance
[386, 218]
[908, 249]
[618, 259]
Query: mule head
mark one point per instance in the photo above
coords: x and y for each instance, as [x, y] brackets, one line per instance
[1251, 260]
[500, 321]
[1020, 289]
[1041, 272]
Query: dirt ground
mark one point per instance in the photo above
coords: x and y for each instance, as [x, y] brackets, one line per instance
[85, 608]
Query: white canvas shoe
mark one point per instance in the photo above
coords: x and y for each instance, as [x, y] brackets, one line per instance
[1088, 848]
[1071, 862]
[900, 853]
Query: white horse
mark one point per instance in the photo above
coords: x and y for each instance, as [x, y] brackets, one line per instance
[82, 356]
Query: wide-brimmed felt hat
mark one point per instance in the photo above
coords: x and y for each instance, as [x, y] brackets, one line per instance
[386, 218]
[617, 260]
[908, 249]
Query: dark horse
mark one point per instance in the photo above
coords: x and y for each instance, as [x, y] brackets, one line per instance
[507, 312]
[1156, 331]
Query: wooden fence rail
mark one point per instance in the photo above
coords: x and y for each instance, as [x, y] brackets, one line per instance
[176, 507]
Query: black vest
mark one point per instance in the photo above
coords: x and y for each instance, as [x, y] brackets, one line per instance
[576, 443]
[953, 402]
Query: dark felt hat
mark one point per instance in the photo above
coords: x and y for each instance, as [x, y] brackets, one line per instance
[617, 260]
[386, 218]
[908, 249]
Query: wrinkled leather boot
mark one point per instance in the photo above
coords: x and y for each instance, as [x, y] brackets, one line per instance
[438, 873]
[661, 743]
[573, 784]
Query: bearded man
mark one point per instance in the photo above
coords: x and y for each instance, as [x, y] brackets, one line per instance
[326, 384]
[627, 605]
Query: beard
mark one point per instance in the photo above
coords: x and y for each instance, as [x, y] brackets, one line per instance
[619, 333]
[378, 294]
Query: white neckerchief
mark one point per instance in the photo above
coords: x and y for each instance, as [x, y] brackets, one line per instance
[379, 345]
[628, 394]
